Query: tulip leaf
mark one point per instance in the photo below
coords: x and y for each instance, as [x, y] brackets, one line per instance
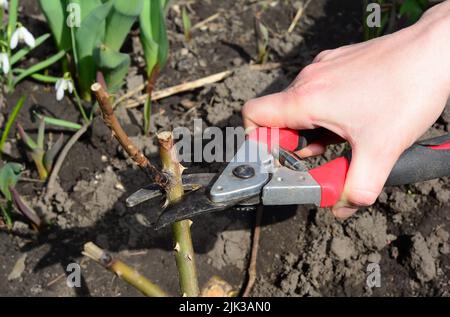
[55, 14]
[87, 37]
[153, 35]
[120, 21]
[113, 65]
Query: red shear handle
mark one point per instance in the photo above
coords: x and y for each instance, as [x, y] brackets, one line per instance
[423, 161]
[291, 140]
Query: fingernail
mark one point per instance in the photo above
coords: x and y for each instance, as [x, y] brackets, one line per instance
[306, 152]
[343, 212]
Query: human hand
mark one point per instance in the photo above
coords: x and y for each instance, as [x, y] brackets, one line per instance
[380, 96]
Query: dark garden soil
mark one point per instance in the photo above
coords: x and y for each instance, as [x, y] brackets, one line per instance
[303, 251]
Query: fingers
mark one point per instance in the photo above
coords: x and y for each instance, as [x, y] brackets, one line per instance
[320, 140]
[312, 149]
[282, 110]
[365, 179]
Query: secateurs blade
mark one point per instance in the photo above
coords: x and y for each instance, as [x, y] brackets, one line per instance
[266, 170]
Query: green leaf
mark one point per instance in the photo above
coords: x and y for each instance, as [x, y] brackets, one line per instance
[61, 123]
[26, 138]
[153, 35]
[12, 19]
[186, 25]
[50, 155]
[165, 4]
[87, 6]
[6, 211]
[147, 115]
[87, 38]
[113, 65]
[10, 121]
[413, 9]
[262, 40]
[9, 176]
[39, 66]
[55, 14]
[120, 21]
[24, 51]
[41, 134]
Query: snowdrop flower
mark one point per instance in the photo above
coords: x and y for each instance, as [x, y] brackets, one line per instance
[61, 86]
[4, 4]
[22, 35]
[4, 63]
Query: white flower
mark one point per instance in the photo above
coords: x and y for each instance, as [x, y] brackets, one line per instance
[22, 35]
[4, 63]
[61, 86]
[4, 4]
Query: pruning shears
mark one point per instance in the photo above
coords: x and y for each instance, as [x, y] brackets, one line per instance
[266, 170]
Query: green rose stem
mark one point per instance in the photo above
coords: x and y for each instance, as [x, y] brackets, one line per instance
[184, 251]
[122, 270]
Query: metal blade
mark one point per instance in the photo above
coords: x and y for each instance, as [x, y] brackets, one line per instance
[191, 205]
[190, 182]
[143, 194]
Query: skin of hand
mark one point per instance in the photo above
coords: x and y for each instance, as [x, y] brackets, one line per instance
[380, 96]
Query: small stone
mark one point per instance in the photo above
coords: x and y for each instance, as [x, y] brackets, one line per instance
[237, 61]
[18, 268]
[290, 258]
[7, 148]
[20, 227]
[187, 103]
[119, 186]
[143, 220]
[104, 158]
[202, 63]
[184, 51]
[374, 257]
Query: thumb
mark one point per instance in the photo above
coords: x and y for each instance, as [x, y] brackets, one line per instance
[286, 109]
[368, 172]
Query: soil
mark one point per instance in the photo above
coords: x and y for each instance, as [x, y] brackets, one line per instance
[304, 251]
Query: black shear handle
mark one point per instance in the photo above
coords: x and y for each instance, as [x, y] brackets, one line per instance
[424, 160]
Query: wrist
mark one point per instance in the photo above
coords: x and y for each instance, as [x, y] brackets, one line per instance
[435, 28]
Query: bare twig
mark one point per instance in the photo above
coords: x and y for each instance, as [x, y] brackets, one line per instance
[254, 253]
[62, 156]
[205, 21]
[122, 270]
[56, 279]
[198, 83]
[182, 87]
[111, 121]
[184, 251]
[298, 15]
